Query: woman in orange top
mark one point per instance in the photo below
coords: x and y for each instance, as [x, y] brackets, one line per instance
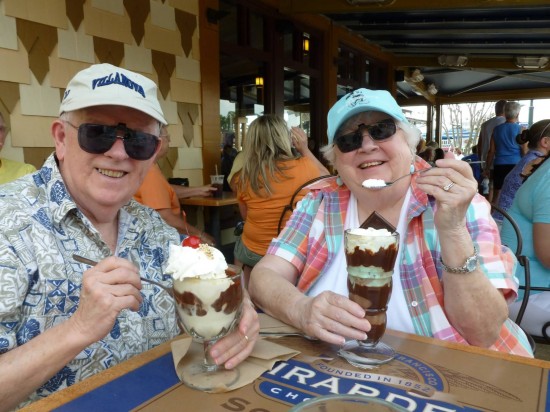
[272, 171]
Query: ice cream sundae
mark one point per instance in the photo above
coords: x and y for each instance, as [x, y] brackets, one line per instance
[370, 256]
[207, 291]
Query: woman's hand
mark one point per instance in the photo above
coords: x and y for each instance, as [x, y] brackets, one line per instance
[299, 139]
[453, 186]
[331, 317]
[235, 347]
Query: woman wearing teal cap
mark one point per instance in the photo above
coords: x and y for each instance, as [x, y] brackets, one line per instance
[452, 278]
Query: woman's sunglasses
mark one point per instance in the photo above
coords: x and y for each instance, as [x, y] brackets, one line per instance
[99, 138]
[377, 131]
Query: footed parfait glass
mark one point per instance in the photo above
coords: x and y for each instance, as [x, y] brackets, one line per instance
[209, 309]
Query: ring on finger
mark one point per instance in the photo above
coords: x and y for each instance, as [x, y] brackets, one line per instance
[447, 187]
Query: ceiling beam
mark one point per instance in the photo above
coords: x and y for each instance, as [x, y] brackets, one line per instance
[474, 62]
[342, 6]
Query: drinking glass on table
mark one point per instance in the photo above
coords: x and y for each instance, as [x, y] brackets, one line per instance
[217, 182]
[209, 309]
[370, 256]
[346, 403]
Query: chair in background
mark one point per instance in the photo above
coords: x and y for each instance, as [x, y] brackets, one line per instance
[289, 207]
[524, 262]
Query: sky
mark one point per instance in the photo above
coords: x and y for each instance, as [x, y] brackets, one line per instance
[541, 110]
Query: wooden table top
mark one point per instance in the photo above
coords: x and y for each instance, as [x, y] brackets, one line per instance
[227, 199]
[488, 369]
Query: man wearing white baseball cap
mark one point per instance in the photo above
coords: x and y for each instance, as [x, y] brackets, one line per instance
[62, 321]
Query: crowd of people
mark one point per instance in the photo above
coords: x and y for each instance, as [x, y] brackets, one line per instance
[102, 195]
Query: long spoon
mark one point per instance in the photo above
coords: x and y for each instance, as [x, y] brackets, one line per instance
[380, 184]
[91, 262]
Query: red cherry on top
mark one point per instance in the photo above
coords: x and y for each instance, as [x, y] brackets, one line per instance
[191, 241]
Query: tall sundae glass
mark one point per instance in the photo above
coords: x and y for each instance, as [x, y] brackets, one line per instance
[370, 257]
[209, 295]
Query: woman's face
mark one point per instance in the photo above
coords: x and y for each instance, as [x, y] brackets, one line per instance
[386, 160]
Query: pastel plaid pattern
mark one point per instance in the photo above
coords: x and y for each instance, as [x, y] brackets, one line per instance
[314, 235]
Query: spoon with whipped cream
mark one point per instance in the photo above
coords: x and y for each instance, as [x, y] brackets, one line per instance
[381, 184]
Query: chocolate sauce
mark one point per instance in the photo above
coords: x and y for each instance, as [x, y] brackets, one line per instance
[189, 301]
[230, 299]
[370, 298]
[376, 332]
[384, 258]
[375, 302]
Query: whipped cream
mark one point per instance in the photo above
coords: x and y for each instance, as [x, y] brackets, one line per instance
[371, 239]
[373, 183]
[206, 304]
[205, 262]
[374, 242]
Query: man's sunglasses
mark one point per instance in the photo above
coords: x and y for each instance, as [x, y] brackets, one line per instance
[377, 131]
[99, 138]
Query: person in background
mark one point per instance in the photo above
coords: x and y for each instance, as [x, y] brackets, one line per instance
[504, 152]
[235, 169]
[421, 146]
[228, 156]
[156, 193]
[484, 140]
[271, 173]
[62, 321]
[474, 162]
[452, 279]
[458, 153]
[427, 154]
[10, 169]
[537, 138]
[439, 153]
[531, 213]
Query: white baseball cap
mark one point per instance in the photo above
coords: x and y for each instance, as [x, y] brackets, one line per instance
[105, 84]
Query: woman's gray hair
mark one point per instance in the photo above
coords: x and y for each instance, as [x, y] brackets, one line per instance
[511, 110]
[412, 134]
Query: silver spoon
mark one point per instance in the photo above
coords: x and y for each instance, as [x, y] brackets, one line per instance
[91, 262]
[380, 184]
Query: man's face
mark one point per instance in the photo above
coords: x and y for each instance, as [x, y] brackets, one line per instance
[101, 183]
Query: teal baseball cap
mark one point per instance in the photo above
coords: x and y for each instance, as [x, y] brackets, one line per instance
[362, 100]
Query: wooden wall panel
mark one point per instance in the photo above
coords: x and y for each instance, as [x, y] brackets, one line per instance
[48, 12]
[43, 43]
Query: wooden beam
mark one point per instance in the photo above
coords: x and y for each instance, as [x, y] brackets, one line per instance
[342, 6]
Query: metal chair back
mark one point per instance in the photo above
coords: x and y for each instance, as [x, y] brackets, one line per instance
[289, 207]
